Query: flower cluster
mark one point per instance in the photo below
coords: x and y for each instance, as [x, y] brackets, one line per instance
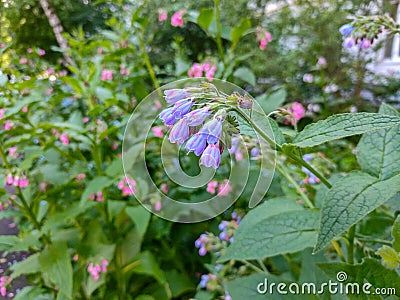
[162, 15]
[222, 189]
[197, 70]
[353, 37]
[97, 196]
[177, 18]
[209, 125]
[311, 178]
[296, 113]
[127, 186]
[96, 270]
[5, 281]
[22, 181]
[106, 75]
[264, 37]
[208, 242]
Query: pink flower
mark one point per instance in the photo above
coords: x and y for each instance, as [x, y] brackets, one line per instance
[225, 188]
[164, 188]
[99, 51]
[81, 176]
[24, 109]
[106, 75]
[264, 38]
[8, 125]
[41, 52]
[238, 156]
[3, 291]
[99, 197]
[9, 179]
[11, 152]
[126, 190]
[123, 70]
[24, 182]
[322, 62]
[157, 131]
[157, 206]
[211, 187]
[127, 186]
[162, 15]
[29, 50]
[157, 104]
[23, 60]
[75, 257]
[85, 120]
[16, 181]
[176, 19]
[298, 112]
[42, 186]
[197, 70]
[2, 112]
[308, 78]
[64, 139]
[114, 145]
[92, 196]
[62, 73]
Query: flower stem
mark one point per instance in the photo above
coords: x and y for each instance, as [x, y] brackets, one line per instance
[218, 36]
[350, 246]
[147, 62]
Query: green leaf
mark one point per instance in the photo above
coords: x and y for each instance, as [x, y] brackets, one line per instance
[140, 216]
[97, 184]
[149, 266]
[55, 262]
[103, 93]
[270, 102]
[7, 241]
[33, 293]
[275, 227]
[75, 84]
[179, 283]
[396, 234]
[378, 152]
[205, 17]
[115, 169]
[390, 258]
[28, 266]
[369, 271]
[349, 200]
[239, 30]
[246, 75]
[343, 125]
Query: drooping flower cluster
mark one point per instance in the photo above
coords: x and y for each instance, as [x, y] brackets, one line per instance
[208, 242]
[22, 181]
[200, 70]
[98, 196]
[354, 37]
[127, 186]
[206, 129]
[162, 15]
[95, 270]
[5, 281]
[264, 37]
[222, 189]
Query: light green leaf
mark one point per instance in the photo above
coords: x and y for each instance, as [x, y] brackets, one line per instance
[239, 30]
[369, 271]
[115, 169]
[277, 226]
[349, 200]
[97, 184]
[33, 293]
[390, 258]
[7, 241]
[343, 125]
[396, 234]
[140, 216]
[103, 93]
[205, 17]
[246, 75]
[56, 264]
[378, 152]
[270, 102]
[28, 266]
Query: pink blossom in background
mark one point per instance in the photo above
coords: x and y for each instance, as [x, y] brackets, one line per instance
[12, 152]
[265, 40]
[62, 73]
[92, 196]
[162, 15]
[308, 78]
[41, 52]
[298, 112]
[238, 156]
[24, 109]
[99, 51]
[211, 187]
[29, 50]
[8, 125]
[23, 60]
[75, 257]
[322, 62]
[55, 132]
[43, 186]
[164, 188]
[157, 104]
[106, 75]
[80, 177]
[49, 91]
[9, 179]
[50, 71]
[197, 70]
[114, 145]
[157, 206]
[2, 45]
[24, 182]
[157, 131]
[176, 19]
[85, 120]
[64, 139]
[95, 270]
[225, 188]
[2, 112]
[123, 70]
[99, 196]
[127, 186]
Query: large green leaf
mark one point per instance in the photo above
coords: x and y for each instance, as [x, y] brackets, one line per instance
[239, 30]
[370, 271]
[378, 152]
[349, 200]
[270, 102]
[205, 17]
[55, 262]
[246, 75]
[28, 266]
[343, 125]
[141, 217]
[97, 184]
[277, 226]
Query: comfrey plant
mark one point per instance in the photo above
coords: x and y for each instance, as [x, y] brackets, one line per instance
[200, 117]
